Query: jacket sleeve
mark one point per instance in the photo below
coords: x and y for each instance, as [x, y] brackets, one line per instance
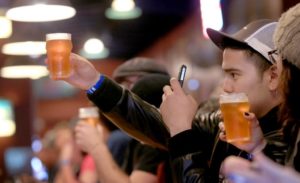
[143, 121]
[131, 114]
[191, 149]
[188, 159]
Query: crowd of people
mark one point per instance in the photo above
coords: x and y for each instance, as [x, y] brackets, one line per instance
[173, 139]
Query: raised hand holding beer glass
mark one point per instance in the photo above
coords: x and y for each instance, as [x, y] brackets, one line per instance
[82, 74]
[59, 46]
[233, 106]
[88, 132]
[89, 115]
[241, 126]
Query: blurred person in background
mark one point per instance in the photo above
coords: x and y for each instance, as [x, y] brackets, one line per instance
[88, 172]
[60, 154]
[127, 74]
[119, 143]
[142, 162]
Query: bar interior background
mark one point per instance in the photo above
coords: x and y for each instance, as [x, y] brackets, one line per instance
[168, 30]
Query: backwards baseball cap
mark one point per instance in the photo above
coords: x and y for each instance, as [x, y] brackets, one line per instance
[257, 35]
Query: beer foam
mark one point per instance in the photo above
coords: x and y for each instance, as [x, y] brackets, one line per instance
[233, 98]
[58, 36]
[87, 112]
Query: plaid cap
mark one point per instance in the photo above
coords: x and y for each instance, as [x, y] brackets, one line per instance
[287, 35]
[256, 35]
[139, 66]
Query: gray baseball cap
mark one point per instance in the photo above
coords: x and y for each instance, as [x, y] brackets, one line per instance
[256, 35]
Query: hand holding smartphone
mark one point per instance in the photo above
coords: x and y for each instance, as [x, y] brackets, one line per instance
[181, 74]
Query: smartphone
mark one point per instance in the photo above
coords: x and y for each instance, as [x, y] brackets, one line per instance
[181, 74]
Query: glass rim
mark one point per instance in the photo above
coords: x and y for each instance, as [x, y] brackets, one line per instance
[85, 112]
[233, 97]
[57, 36]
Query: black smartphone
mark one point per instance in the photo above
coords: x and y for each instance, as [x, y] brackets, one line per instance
[181, 74]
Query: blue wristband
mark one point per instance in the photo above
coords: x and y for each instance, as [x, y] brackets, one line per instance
[96, 86]
[63, 163]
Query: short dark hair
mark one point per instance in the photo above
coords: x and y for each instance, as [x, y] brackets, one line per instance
[261, 63]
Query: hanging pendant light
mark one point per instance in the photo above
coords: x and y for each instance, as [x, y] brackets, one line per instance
[5, 24]
[123, 9]
[25, 43]
[94, 49]
[7, 121]
[40, 11]
[16, 67]
[25, 48]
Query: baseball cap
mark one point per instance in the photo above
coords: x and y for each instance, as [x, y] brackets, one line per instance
[140, 66]
[256, 35]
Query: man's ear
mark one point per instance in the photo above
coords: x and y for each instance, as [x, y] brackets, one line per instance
[273, 78]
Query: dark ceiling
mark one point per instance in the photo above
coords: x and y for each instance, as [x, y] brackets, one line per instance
[124, 38]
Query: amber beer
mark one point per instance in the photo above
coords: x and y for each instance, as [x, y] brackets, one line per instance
[233, 107]
[59, 47]
[89, 115]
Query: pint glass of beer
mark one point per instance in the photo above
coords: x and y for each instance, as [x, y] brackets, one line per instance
[233, 107]
[89, 115]
[59, 46]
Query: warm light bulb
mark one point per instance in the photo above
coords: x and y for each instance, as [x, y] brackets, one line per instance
[123, 5]
[24, 71]
[7, 128]
[40, 13]
[25, 48]
[122, 10]
[7, 124]
[5, 27]
[93, 46]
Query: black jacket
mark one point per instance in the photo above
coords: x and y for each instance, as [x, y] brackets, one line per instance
[292, 137]
[203, 153]
[200, 148]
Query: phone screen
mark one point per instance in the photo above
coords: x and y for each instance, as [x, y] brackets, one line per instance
[181, 74]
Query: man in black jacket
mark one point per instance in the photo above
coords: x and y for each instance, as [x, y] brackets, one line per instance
[247, 69]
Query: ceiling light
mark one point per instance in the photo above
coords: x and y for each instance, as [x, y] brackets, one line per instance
[26, 11]
[7, 121]
[6, 27]
[93, 46]
[23, 67]
[123, 9]
[25, 48]
[121, 5]
[94, 49]
[24, 71]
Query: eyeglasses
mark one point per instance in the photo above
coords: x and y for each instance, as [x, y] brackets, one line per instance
[273, 56]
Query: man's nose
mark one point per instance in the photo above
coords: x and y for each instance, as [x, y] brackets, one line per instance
[227, 86]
